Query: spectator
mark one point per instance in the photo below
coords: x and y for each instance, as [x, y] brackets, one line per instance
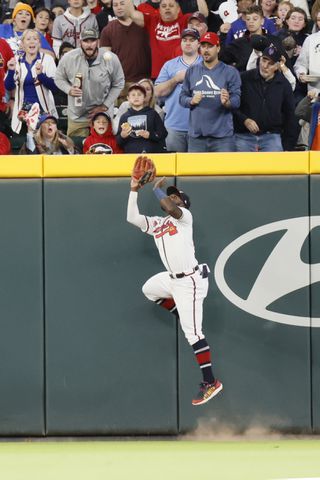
[267, 108]
[164, 30]
[295, 26]
[198, 22]
[168, 86]
[283, 9]
[68, 27]
[42, 21]
[6, 54]
[269, 8]
[32, 74]
[211, 90]
[308, 62]
[307, 111]
[141, 129]
[134, 53]
[47, 139]
[5, 145]
[238, 52]
[57, 9]
[149, 101]
[106, 14]
[22, 19]
[101, 138]
[102, 82]
[238, 27]
[95, 6]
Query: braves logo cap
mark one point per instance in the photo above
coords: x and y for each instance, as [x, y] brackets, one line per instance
[184, 197]
[210, 37]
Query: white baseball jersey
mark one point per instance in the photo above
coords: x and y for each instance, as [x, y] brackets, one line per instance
[174, 240]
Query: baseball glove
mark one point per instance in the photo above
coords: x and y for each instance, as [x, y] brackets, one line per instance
[144, 170]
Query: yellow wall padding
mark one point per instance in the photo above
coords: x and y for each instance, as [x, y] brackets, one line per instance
[314, 162]
[21, 166]
[102, 165]
[262, 163]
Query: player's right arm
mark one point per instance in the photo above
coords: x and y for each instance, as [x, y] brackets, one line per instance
[133, 214]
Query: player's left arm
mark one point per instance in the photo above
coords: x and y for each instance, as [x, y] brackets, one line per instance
[166, 203]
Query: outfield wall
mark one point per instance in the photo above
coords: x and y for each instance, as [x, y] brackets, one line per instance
[82, 351]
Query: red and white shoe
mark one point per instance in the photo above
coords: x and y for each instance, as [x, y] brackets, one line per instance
[207, 391]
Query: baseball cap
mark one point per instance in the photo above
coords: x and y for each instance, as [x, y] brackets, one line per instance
[137, 86]
[105, 114]
[44, 117]
[272, 53]
[184, 197]
[210, 37]
[191, 32]
[89, 33]
[199, 16]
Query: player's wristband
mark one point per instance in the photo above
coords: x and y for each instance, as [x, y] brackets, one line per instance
[159, 193]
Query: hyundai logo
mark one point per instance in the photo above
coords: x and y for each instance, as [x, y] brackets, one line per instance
[283, 272]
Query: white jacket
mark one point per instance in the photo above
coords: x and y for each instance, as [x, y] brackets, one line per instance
[308, 62]
[45, 95]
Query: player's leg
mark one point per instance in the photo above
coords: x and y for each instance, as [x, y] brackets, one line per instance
[189, 294]
[158, 289]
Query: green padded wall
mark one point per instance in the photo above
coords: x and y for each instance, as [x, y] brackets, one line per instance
[110, 353]
[21, 308]
[264, 365]
[315, 297]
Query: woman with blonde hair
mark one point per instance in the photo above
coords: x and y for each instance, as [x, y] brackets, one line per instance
[150, 101]
[31, 75]
[46, 139]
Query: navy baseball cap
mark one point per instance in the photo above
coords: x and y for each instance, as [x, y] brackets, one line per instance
[184, 197]
[44, 117]
[191, 32]
[272, 53]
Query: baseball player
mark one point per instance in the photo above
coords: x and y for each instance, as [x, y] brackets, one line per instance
[182, 288]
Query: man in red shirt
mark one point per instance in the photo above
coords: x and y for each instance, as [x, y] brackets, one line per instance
[164, 29]
[5, 55]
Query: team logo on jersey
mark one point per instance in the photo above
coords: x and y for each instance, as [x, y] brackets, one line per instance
[167, 32]
[166, 227]
[285, 271]
[207, 87]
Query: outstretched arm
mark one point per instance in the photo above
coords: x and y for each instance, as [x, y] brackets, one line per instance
[134, 14]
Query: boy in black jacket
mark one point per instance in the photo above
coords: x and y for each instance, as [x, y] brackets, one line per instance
[140, 128]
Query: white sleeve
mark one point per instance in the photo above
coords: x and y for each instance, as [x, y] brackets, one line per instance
[302, 63]
[290, 77]
[133, 214]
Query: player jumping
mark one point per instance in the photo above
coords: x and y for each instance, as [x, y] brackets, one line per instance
[182, 288]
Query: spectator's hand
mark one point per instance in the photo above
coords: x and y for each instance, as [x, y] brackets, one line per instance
[11, 65]
[75, 92]
[282, 64]
[39, 68]
[179, 76]
[143, 133]
[125, 130]
[312, 94]
[251, 125]
[225, 27]
[94, 110]
[196, 99]
[302, 78]
[224, 97]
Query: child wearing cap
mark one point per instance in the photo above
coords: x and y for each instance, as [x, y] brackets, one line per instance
[46, 139]
[141, 128]
[101, 138]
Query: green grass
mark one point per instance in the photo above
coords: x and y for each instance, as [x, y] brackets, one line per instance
[160, 460]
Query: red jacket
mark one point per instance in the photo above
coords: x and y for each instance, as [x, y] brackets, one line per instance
[5, 55]
[5, 145]
[94, 139]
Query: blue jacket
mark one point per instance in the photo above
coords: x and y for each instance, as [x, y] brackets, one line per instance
[210, 118]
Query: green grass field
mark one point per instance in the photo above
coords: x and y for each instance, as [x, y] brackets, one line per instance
[160, 460]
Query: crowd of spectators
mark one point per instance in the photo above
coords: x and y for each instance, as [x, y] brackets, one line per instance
[133, 76]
